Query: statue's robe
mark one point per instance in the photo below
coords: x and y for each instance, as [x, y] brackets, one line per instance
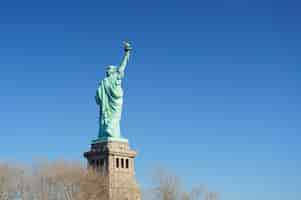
[109, 96]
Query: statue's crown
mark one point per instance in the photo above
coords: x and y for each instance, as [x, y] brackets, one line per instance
[111, 67]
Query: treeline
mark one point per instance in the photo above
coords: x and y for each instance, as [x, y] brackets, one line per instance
[62, 180]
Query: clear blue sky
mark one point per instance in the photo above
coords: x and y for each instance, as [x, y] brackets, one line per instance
[212, 90]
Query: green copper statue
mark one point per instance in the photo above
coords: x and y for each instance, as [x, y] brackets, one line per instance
[109, 97]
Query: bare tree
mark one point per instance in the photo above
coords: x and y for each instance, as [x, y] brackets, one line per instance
[61, 180]
[10, 181]
[58, 180]
[212, 196]
[71, 181]
[93, 186]
[4, 181]
[169, 187]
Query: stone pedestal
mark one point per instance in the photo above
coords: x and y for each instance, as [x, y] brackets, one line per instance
[116, 160]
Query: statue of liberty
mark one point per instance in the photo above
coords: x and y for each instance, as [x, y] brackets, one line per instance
[109, 97]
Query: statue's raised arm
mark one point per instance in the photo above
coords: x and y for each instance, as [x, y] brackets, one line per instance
[126, 57]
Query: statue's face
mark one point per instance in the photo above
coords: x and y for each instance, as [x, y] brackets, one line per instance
[110, 70]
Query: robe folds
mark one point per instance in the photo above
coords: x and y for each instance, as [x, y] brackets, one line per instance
[109, 96]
